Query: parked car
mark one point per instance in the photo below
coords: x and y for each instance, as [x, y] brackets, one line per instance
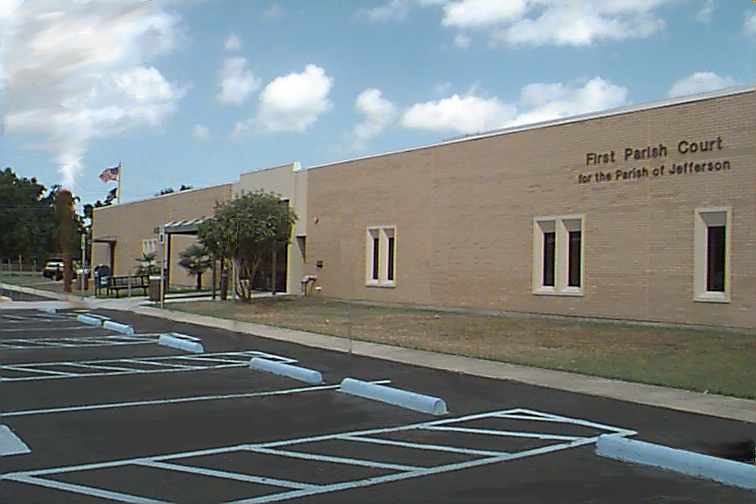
[53, 269]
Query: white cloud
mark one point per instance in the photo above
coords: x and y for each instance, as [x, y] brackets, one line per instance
[750, 24]
[395, 10]
[76, 74]
[200, 132]
[233, 43]
[378, 114]
[544, 22]
[580, 24]
[462, 41]
[294, 102]
[538, 102]
[463, 114]
[391, 10]
[706, 11]
[700, 82]
[237, 82]
[544, 102]
[475, 13]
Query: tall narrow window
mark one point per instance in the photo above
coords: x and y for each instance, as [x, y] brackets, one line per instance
[715, 258]
[390, 265]
[712, 255]
[376, 257]
[573, 274]
[549, 258]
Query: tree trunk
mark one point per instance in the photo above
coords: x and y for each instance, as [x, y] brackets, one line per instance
[243, 287]
[223, 280]
[199, 281]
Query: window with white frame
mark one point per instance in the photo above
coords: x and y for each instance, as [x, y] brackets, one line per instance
[381, 256]
[712, 255]
[558, 255]
[149, 246]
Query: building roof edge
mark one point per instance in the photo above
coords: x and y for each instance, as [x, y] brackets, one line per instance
[667, 102]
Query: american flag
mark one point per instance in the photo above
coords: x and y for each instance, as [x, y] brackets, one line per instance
[109, 174]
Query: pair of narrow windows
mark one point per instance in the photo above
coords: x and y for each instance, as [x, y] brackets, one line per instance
[573, 258]
[382, 256]
[558, 255]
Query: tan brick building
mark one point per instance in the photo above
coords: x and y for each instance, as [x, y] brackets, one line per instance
[643, 213]
[122, 233]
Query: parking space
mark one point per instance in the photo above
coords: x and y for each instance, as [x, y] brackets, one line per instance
[138, 422]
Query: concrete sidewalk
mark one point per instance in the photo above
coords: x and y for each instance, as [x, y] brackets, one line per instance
[683, 400]
[653, 395]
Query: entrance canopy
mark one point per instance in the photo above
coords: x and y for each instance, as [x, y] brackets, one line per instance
[184, 227]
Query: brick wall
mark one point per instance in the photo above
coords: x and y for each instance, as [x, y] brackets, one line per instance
[464, 217]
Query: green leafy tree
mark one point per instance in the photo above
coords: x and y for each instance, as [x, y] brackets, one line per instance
[146, 265]
[196, 260]
[29, 221]
[245, 230]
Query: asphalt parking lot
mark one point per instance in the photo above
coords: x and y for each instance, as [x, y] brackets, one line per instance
[110, 417]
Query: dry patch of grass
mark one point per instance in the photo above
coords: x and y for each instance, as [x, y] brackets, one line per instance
[718, 361]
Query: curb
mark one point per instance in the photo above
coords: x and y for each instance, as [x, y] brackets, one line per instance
[120, 328]
[181, 342]
[398, 397]
[281, 369]
[693, 464]
[86, 319]
[733, 408]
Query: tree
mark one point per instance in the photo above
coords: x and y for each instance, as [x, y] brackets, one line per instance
[28, 219]
[245, 230]
[196, 260]
[218, 243]
[146, 265]
[171, 190]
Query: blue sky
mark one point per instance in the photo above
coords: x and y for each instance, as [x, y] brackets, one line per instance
[196, 92]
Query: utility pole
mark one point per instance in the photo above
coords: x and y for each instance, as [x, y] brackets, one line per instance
[163, 243]
[83, 261]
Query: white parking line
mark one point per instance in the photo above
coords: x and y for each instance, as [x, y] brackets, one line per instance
[160, 402]
[160, 364]
[424, 446]
[44, 371]
[503, 433]
[77, 342]
[338, 460]
[262, 480]
[87, 490]
[302, 489]
[27, 329]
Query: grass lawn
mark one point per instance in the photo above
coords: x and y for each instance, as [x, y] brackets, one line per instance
[37, 281]
[718, 361]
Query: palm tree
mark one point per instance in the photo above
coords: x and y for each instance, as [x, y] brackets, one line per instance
[146, 264]
[196, 260]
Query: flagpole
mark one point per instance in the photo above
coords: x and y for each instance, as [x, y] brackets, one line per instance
[120, 177]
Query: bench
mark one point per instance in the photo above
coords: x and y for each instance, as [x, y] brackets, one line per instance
[119, 283]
